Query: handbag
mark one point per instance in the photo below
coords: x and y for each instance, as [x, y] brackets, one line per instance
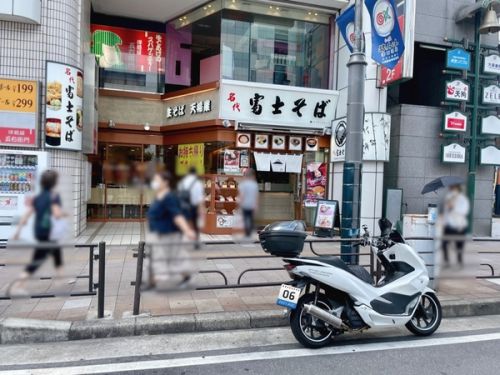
[58, 229]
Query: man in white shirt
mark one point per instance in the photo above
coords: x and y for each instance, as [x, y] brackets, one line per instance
[248, 192]
[192, 196]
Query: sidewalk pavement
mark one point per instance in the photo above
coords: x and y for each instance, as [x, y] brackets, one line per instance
[195, 309]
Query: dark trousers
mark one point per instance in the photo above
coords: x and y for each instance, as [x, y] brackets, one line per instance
[194, 220]
[458, 243]
[42, 253]
[248, 222]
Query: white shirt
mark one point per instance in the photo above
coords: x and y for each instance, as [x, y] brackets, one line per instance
[192, 183]
[249, 193]
[456, 210]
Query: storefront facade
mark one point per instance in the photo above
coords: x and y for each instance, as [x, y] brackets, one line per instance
[251, 91]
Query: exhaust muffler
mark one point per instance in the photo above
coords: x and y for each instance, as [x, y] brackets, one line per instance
[325, 316]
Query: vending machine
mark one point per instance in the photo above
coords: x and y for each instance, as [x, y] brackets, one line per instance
[19, 179]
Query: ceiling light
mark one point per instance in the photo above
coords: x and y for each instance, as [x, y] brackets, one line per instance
[111, 124]
[146, 126]
[277, 8]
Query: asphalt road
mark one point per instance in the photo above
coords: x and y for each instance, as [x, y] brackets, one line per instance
[461, 346]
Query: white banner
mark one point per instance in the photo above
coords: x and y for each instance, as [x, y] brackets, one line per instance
[277, 105]
[64, 107]
[453, 153]
[376, 137]
[491, 94]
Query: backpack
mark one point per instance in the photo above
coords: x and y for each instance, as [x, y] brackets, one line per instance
[184, 197]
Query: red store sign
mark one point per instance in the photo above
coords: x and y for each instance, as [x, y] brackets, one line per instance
[455, 121]
[128, 49]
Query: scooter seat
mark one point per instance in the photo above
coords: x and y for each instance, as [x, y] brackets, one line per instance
[359, 271]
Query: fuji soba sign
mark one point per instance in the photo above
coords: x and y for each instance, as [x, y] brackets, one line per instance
[455, 121]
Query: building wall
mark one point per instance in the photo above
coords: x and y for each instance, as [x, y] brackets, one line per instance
[415, 160]
[415, 144]
[24, 50]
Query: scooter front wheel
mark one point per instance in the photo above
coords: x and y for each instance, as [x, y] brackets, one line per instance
[308, 330]
[427, 316]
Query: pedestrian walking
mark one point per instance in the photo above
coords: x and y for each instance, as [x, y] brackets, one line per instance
[455, 216]
[170, 262]
[191, 195]
[47, 208]
[248, 194]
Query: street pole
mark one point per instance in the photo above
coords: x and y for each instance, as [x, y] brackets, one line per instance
[351, 191]
[471, 177]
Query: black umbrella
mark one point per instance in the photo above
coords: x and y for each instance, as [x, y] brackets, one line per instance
[442, 182]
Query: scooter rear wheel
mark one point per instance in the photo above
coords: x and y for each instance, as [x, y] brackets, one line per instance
[427, 316]
[309, 331]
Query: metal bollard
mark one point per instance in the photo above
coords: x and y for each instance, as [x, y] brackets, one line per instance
[91, 268]
[102, 277]
[138, 278]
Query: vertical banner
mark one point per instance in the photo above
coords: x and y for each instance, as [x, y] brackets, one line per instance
[345, 23]
[387, 41]
[315, 183]
[64, 107]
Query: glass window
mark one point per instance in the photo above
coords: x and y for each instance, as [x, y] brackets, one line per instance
[266, 49]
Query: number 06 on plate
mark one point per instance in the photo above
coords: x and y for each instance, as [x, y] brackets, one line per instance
[288, 296]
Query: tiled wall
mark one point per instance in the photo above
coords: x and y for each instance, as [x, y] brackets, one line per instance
[62, 36]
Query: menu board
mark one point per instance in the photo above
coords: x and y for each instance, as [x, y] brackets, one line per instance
[327, 217]
[18, 113]
[64, 107]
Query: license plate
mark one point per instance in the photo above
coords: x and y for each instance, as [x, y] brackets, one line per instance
[288, 296]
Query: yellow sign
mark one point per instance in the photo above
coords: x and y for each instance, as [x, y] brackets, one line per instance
[190, 155]
[18, 113]
[18, 96]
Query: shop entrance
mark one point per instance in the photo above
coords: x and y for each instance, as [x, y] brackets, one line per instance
[118, 175]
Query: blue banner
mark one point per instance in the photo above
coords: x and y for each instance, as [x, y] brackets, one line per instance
[345, 22]
[387, 41]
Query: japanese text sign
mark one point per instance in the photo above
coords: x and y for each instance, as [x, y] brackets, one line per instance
[266, 104]
[18, 113]
[492, 64]
[455, 121]
[458, 58]
[129, 49]
[387, 40]
[64, 107]
[406, 10]
[376, 137]
[190, 155]
[457, 91]
[453, 153]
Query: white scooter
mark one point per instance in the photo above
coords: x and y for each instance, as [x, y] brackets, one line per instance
[327, 297]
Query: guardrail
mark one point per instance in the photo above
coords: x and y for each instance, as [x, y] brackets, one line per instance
[92, 288]
[142, 254]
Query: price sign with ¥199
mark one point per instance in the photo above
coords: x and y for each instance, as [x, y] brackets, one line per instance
[18, 96]
[18, 112]
[288, 296]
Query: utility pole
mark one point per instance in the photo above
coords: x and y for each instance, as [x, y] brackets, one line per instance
[351, 191]
[473, 149]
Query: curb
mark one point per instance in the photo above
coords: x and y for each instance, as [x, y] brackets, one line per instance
[25, 331]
